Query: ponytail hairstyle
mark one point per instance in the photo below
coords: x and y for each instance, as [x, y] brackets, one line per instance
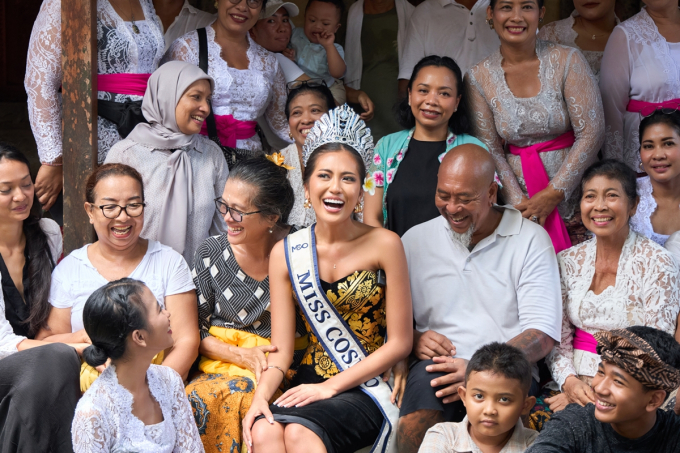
[110, 315]
[40, 260]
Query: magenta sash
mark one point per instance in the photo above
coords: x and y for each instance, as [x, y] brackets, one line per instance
[130, 84]
[584, 341]
[536, 179]
[229, 129]
[647, 108]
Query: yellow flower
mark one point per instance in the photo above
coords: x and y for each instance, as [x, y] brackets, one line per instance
[369, 185]
[278, 159]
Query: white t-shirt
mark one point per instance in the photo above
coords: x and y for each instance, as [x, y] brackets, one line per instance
[508, 284]
[162, 269]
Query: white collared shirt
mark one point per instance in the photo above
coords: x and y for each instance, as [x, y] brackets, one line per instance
[455, 438]
[447, 28]
[508, 284]
[188, 19]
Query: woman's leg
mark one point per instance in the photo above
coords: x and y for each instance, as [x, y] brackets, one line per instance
[299, 439]
[268, 437]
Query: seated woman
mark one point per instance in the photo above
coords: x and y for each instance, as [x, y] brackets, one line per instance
[232, 283]
[336, 269]
[306, 103]
[435, 118]
[115, 205]
[615, 280]
[38, 385]
[658, 213]
[133, 406]
[183, 171]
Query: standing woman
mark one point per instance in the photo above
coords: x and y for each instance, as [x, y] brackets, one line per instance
[129, 47]
[307, 102]
[435, 119]
[248, 80]
[183, 171]
[538, 108]
[640, 73]
[587, 29]
[334, 272]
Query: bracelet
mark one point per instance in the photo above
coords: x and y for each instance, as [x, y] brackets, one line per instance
[277, 367]
[58, 162]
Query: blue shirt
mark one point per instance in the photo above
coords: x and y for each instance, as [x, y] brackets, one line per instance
[312, 58]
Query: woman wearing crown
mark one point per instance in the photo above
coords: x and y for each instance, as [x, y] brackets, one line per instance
[334, 273]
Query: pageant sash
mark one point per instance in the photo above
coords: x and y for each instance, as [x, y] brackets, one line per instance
[130, 84]
[536, 179]
[647, 108]
[333, 333]
[229, 129]
[584, 341]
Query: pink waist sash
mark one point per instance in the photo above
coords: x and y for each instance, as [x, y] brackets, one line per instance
[130, 84]
[536, 179]
[647, 108]
[584, 341]
[229, 129]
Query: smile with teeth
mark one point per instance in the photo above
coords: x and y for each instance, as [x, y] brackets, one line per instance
[602, 219]
[239, 18]
[516, 29]
[458, 219]
[304, 132]
[122, 230]
[334, 202]
[235, 229]
[605, 404]
[197, 118]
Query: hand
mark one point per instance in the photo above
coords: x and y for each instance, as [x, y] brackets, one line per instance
[325, 38]
[431, 344]
[367, 105]
[80, 336]
[558, 402]
[455, 377]
[541, 204]
[305, 394]
[254, 359]
[258, 407]
[289, 53]
[400, 370]
[577, 391]
[48, 184]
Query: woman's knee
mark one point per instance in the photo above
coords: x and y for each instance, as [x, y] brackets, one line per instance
[264, 433]
[299, 438]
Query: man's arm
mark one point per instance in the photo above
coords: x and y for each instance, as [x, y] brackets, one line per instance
[534, 343]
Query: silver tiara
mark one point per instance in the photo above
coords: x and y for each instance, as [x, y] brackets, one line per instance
[340, 125]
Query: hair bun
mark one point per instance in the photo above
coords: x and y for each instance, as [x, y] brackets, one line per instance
[95, 356]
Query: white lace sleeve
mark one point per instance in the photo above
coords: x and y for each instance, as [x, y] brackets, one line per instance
[485, 129]
[549, 33]
[661, 291]
[184, 48]
[90, 431]
[615, 88]
[583, 101]
[187, 437]
[43, 79]
[275, 113]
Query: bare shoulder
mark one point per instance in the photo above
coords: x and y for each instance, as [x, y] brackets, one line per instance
[382, 240]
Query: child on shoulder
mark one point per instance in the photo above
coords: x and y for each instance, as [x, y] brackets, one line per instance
[496, 395]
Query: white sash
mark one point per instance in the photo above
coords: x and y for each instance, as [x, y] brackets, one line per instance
[333, 333]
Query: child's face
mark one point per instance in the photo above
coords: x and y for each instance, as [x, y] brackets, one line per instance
[321, 17]
[494, 403]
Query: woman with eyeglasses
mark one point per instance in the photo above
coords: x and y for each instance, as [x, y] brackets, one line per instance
[115, 204]
[183, 171]
[232, 282]
[248, 80]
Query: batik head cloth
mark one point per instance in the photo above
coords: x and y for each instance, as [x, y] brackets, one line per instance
[630, 352]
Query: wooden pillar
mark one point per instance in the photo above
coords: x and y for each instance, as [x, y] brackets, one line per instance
[79, 91]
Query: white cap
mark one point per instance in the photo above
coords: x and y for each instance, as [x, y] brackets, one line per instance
[274, 5]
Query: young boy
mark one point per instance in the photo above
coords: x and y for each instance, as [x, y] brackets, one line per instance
[496, 394]
[640, 366]
[314, 48]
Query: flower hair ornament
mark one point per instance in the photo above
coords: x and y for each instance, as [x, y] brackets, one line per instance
[341, 125]
[278, 159]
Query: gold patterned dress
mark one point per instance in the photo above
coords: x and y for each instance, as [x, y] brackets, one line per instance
[351, 420]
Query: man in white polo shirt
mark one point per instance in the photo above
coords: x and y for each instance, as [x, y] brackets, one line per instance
[479, 273]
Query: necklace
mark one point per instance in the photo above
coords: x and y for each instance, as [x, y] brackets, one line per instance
[593, 37]
[132, 19]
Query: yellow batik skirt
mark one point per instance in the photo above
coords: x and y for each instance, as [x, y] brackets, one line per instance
[89, 374]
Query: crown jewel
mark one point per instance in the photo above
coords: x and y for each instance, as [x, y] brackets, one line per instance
[340, 125]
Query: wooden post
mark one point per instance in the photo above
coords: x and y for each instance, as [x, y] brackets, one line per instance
[79, 91]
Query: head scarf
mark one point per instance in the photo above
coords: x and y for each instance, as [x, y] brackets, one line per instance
[163, 92]
[630, 352]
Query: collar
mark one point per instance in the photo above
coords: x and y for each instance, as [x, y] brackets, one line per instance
[465, 444]
[81, 253]
[444, 3]
[510, 225]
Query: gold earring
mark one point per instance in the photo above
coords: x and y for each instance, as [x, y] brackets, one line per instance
[290, 134]
[216, 4]
[307, 204]
[490, 22]
[358, 208]
[640, 167]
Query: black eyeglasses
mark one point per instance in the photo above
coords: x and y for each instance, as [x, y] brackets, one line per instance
[237, 215]
[253, 4]
[313, 83]
[112, 211]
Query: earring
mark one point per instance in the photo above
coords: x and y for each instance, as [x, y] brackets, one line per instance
[307, 204]
[290, 134]
[640, 167]
[490, 22]
[215, 4]
[358, 208]
[540, 20]
[271, 230]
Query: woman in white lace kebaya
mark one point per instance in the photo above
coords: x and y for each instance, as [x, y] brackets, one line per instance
[133, 406]
[306, 103]
[640, 73]
[536, 106]
[129, 44]
[658, 213]
[248, 80]
[615, 280]
[587, 29]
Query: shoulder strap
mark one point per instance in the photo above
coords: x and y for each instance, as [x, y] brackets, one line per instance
[203, 64]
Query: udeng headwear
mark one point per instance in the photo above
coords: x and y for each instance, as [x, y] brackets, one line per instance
[630, 352]
[340, 125]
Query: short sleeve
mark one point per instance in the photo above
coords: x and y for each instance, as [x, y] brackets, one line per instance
[179, 274]
[60, 296]
[378, 165]
[341, 51]
[54, 238]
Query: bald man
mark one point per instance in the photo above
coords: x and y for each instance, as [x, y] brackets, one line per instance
[479, 273]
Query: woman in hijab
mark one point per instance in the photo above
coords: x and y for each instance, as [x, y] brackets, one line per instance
[183, 171]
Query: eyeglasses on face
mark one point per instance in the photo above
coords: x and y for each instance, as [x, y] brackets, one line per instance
[112, 211]
[252, 4]
[313, 83]
[235, 214]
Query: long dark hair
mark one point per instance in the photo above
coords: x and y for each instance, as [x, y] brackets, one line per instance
[459, 123]
[40, 261]
[111, 313]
